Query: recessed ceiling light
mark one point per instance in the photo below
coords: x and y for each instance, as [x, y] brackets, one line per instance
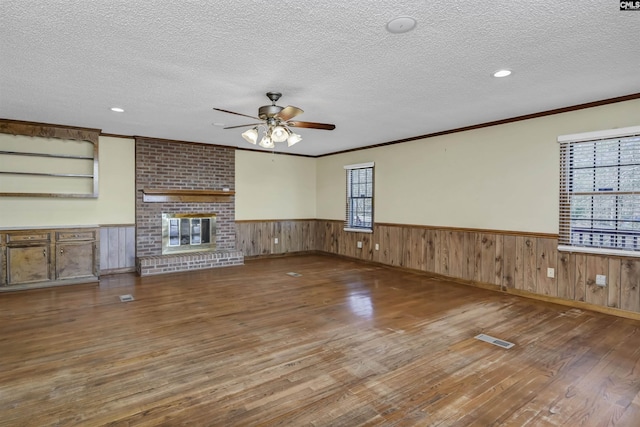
[502, 73]
[401, 24]
[117, 109]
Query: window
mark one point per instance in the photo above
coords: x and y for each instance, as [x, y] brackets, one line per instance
[359, 215]
[600, 192]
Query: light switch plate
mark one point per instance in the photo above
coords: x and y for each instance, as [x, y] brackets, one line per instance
[551, 272]
[601, 280]
[359, 244]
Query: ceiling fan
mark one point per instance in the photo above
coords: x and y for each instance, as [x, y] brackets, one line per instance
[275, 123]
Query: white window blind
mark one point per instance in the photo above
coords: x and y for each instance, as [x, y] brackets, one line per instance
[359, 205]
[600, 192]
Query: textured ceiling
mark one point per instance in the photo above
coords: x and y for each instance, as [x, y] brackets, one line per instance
[168, 63]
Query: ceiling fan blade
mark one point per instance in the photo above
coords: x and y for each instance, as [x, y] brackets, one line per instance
[242, 126]
[237, 114]
[312, 125]
[289, 112]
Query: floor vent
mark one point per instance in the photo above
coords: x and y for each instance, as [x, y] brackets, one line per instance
[126, 298]
[292, 274]
[494, 341]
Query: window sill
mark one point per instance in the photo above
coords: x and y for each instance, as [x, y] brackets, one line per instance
[599, 251]
[359, 230]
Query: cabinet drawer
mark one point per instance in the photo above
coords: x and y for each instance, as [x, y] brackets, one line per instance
[65, 236]
[28, 237]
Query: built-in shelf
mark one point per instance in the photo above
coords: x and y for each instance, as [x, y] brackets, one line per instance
[63, 161]
[155, 195]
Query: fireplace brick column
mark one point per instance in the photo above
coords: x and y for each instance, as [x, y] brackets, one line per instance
[162, 164]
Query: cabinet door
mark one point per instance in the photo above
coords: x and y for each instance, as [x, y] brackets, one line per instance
[75, 260]
[28, 264]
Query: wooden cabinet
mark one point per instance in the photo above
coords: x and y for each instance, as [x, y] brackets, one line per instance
[28, 255]
[28, 264]
[38, 258]
[76, 254]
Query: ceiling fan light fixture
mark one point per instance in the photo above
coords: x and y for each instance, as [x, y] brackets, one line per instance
[275, 123]
[266, 142]
[294, 138]
[279, 134]
[251, 135]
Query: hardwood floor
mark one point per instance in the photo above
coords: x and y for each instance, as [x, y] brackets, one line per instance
[345, 344]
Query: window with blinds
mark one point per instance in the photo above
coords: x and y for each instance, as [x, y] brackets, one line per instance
[359, 206]
[600, 192]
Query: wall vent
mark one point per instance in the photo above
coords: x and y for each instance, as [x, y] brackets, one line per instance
[292, 274]
[126, 298]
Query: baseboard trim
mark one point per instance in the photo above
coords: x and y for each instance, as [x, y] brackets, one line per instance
[283, 255]
[117, 271]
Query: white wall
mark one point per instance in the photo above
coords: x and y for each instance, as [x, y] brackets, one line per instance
[502, 177]
[115, 204]
[273, 186]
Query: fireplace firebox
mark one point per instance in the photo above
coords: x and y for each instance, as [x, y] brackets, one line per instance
[192, 232]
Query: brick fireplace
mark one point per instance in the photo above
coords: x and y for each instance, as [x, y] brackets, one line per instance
[182, 178]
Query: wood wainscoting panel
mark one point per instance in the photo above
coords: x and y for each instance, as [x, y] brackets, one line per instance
[456, 253]
[530, 261]
[547, 257]
[613, 297]
[431, 256]
[594, 294]
[253, 238]
[580, 277]
[395, 245]
[414, 243]
[436, 250]
[499, 260]
[520, 262]
[566, 275]
[469, 261]
[117, 248]
[257, 238]
[509, 260]
[630, 285]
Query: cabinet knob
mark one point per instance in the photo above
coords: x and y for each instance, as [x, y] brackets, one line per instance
[61, 251]
[44, 253]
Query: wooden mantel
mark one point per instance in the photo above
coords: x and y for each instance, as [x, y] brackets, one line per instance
[155, 195]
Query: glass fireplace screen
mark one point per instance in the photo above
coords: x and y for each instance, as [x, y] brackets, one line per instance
[188, 232]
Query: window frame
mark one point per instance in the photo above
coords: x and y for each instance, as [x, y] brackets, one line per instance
[348, 224]
[569, 144]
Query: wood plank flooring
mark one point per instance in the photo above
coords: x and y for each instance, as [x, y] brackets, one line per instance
[345, 344]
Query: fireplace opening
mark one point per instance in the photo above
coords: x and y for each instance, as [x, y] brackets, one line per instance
[192, 232]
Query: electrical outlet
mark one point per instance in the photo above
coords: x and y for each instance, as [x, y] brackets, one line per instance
[377, 247]
[601, 280]
[275, 241]
[551, 273]
[359, 245]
